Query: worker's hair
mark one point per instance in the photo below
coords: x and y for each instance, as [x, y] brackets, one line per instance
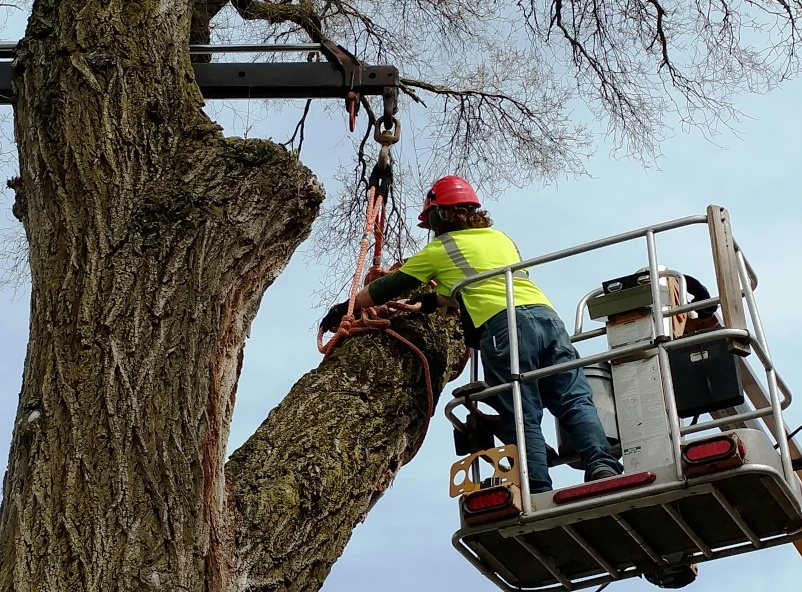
[461, 218]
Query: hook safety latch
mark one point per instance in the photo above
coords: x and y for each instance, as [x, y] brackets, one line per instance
[352, 106]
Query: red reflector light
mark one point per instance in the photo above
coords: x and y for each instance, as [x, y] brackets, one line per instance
[611, 485]
[492, 499]
[709, 451]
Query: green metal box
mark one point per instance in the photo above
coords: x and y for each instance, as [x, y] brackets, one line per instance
[623, 301]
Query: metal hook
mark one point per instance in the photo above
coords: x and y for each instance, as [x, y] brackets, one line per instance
[384, 157]
[390, 136]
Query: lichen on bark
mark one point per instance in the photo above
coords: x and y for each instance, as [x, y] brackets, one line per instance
[331, 448]
[152, 239]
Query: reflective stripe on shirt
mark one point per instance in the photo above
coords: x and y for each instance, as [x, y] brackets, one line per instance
[458, 259]
[454, 256]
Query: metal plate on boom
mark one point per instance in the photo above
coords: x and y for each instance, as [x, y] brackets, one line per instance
[335, 77]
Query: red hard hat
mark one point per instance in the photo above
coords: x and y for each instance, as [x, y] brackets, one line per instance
[448, 191]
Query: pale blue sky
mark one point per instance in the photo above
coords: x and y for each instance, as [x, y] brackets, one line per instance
[405, 542]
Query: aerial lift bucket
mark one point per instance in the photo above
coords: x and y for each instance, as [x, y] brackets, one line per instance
[683, 499]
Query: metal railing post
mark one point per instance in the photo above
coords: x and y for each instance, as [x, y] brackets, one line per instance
[654, 278]
[515, 376]
[474, 366]
[771, 373]
[671, 406]
[662, 355]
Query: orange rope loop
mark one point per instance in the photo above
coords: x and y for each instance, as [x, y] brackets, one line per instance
[376, 318]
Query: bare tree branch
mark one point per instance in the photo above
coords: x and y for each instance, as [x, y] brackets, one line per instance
[302, 14]
[511, 88]
[299, 129]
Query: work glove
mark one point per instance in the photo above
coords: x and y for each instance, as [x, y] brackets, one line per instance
[331, 322]
[428, 302]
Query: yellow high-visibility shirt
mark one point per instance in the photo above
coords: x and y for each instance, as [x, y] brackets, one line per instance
[453, 256]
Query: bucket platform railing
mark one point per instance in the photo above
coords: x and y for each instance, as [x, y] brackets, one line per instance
[736, 282]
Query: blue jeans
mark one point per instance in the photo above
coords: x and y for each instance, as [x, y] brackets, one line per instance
[543, 341]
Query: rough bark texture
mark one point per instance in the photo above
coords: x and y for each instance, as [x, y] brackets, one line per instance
[327, 453]
[152, 239]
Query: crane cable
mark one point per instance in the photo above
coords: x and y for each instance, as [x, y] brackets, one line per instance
[376, 318]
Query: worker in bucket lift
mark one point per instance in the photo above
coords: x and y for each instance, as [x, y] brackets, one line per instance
[465, 245]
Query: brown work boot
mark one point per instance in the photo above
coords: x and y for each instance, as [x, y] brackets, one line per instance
[603, 474]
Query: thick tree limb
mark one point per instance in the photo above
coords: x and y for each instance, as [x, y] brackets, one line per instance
[203, 11]
[330, 449]
[302, 14]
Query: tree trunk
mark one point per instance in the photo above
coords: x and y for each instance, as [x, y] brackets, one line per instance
[152, 240]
